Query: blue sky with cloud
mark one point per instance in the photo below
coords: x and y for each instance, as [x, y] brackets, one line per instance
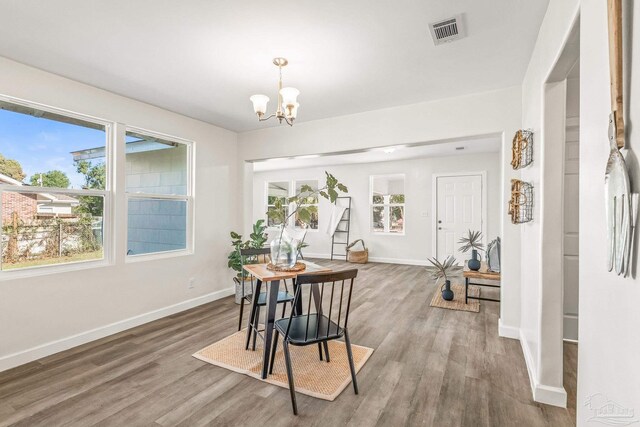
[41, 145]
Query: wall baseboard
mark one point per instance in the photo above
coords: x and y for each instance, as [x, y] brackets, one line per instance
[506, 331]
[20, 358]
[555, 396]
[375, 259]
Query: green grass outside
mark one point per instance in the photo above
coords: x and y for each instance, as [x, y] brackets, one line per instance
[85, 256]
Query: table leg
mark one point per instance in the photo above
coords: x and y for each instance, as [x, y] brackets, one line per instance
[466, 290]
[252, 312]
[272, 302]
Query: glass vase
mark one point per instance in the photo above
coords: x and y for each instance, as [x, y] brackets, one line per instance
[283, 253]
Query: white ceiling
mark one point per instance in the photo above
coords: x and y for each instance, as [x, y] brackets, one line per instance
[488, 144]
[204, 58]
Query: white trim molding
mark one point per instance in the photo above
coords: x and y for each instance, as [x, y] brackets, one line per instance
[20, 358]
[382, 260]
[506, 331]
[550, 395]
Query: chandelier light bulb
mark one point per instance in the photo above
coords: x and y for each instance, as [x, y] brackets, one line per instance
[291, 110]
[289, 96]
[259, 104]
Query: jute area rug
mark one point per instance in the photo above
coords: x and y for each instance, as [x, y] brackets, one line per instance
[458, 299]
[311, 376]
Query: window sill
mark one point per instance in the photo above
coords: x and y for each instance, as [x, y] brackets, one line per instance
[309, 230]
[158, 255]
[46, 270]
[383, 233]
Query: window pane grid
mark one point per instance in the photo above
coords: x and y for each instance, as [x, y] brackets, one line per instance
[158, 192]
[56, 211]
[387, 201]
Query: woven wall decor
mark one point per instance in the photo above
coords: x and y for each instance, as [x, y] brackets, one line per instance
[522, 149]
[521, 203]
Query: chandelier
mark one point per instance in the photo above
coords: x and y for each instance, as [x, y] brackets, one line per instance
[287, 104]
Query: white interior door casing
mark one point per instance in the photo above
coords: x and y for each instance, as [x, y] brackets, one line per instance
[459, 208]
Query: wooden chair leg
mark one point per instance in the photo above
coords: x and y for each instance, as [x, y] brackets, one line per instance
[350, 357]
[274, 348]
[292, 390]
[256, 323]
[241, 313]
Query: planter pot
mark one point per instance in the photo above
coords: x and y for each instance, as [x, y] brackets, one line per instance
[474, 262]
[238, 285]
[447, 293]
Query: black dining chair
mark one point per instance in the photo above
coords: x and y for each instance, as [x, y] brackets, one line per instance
[254, 256]
[325, 320]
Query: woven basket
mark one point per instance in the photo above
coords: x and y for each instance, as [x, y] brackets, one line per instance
[360, 256]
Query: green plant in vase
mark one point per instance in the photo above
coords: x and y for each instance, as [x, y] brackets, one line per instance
[283, 251]
[444, 270]
[473, 242]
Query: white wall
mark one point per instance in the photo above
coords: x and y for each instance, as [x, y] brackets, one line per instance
[541, 305]
[497, 112]
[39, 315]
[609, 316]
[415, 246]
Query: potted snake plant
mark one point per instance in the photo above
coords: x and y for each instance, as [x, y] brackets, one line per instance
[444, 270]
[472, 241]
[257, 240]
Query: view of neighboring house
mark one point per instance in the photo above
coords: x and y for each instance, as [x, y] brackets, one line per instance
[152, 167]
[31, 206]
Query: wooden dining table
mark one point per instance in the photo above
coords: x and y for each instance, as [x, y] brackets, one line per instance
[271, 279]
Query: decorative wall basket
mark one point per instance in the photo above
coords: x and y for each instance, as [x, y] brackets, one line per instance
[522, 149]
[521, 203]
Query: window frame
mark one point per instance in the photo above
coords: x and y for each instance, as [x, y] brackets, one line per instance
[317, 204]
[267, 205]
[189, 198]
[387, 207]
[108, 240]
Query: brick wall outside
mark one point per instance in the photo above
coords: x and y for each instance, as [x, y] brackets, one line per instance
[24, 204]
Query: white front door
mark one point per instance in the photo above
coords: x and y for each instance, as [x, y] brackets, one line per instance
[458, 209]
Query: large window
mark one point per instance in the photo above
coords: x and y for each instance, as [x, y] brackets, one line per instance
[54, 204]
[387, 204]
[310, 202]
[277, 191]
[158, 194]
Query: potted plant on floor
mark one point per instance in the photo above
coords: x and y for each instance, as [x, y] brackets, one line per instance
[472, 241]
[257, 240]
[444, 270]
[283, 251]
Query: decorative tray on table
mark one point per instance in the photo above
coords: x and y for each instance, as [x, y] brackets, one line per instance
[299, 266]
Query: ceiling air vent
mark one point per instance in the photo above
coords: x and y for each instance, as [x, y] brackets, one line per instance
[447, 30]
